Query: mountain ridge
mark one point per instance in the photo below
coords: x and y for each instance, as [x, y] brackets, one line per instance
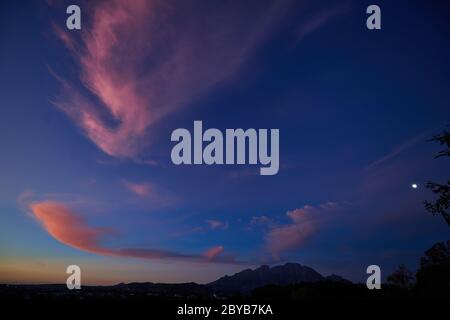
[282, 275]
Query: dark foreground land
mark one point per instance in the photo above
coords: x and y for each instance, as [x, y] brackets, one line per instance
[289, 282]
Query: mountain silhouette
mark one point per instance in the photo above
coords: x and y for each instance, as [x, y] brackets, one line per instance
[290, 273]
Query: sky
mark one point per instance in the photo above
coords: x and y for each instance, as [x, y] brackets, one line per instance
[86, 176]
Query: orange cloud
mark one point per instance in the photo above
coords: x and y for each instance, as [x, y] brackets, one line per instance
[70, 229]
[141, 60]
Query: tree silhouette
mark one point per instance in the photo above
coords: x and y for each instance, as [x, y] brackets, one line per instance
[437, 255]
[401, 277]
[442, 204]
[433, 277]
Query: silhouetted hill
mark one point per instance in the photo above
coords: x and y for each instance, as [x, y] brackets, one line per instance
[247, 280]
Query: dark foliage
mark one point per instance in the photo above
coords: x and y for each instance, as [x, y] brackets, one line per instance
[442, 204]
[443, 139]
[433, 277]
[402, 278]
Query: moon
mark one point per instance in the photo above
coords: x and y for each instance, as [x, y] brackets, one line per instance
[414, 186]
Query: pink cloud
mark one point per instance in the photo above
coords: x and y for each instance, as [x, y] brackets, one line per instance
[69, 228]
[151, 193]
[289, 237]
[141, 189]
[142, 60]
[304, 223]
[213, 252]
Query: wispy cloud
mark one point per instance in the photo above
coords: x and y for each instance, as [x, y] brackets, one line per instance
[142, 60]
[261, 221]
[69, 228]
[144, 189]
[217, 224]
[150, 192]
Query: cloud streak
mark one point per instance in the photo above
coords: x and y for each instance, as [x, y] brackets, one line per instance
[320, 19]
[397, 150]
[69, 228]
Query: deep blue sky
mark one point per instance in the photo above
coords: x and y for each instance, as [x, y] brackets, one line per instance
[354, 108]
